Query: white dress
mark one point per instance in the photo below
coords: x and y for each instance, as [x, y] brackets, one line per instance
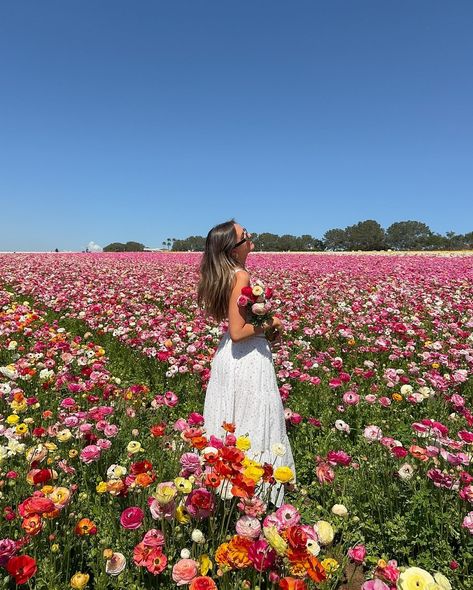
[243, 389]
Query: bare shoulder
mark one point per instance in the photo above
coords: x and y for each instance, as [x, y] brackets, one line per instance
[241, 275]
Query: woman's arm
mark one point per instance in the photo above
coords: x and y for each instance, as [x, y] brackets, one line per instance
[238, 328]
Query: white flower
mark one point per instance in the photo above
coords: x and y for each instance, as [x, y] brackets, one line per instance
[13, 344]
[116, 471]
[406, 471]
[342, 426]
[340, 510]
[185, 553]
[198, 536]
[406, 389]
[313, 547]
[278, 449]
[373, 432]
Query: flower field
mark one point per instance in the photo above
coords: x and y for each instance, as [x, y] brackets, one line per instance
[107, 477]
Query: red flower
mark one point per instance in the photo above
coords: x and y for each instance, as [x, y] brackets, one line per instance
[22, 568]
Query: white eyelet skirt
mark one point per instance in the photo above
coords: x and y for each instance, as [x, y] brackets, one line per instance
[243, 389]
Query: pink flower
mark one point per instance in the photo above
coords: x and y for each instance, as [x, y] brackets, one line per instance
[242, 301]
[248, 526]
[261, 555]
[372, 433]
[325, 473]
[7, 550]
[357, 553]
[338, 458]
[132, 517]
[153, 538]
[184, 571]
[375, 584]
[90, 453]
[468, 522]
[287, 515]
[351, 398]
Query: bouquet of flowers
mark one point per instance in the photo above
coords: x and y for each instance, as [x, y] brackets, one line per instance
[257, 301]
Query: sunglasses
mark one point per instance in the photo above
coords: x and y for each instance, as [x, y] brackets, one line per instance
[246, 237]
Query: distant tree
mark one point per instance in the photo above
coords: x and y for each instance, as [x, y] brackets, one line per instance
[335, 239]
[134, 247]
[408, 235]
[128, 247]
[366, 235]
[114, 247]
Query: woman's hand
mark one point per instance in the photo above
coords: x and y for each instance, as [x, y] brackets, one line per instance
[276, 324]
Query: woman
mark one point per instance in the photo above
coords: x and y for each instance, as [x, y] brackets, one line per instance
[242, 388]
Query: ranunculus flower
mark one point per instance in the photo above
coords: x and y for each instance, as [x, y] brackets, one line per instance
[248, 526]
[22, 568]
[184, 571]
[132, 517]
[79, 581]
[90, 453]
[339, 510]
[200, 503]
[357, 554]
[116, 564]
[375, 584]
[414, 578]
[261, 555]
[468, 522]
[202, 583]
[325, 532]
[7, 550]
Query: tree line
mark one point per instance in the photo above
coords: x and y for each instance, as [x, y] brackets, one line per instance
[366, 236]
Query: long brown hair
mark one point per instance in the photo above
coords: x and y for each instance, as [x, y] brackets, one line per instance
[216, 270]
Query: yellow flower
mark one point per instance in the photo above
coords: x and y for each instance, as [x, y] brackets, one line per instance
[205, 564]
[442, 581]
[107, 553]
[21, 428]
[275, 540]
[19, 406]
[64, 435]
[13, 419]
[50, 446]
[414, 578]
[435, 365]
[133, 447]
[73, 453]
[351, 342]
[101, 487]
[283, 474]
[55, 548]
[79, 580]
[182, 515]
[330, 565]
[257, 290]
[254, 472]
[397, 397]
[243, 443]
[165, 494]
[183, 485]
[325, 531]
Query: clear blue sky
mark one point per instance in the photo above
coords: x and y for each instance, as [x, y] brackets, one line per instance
[142, 120]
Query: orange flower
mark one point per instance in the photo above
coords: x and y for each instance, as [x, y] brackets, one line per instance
[292, 584]
[32, 524]
[221, 557]
[85, 527]
[243, 487]
[238, 551]
[212, 480]
[315, 569]
[229, 426]
[144, 480]
[418, 453]
[199, 442]
[115, 486]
